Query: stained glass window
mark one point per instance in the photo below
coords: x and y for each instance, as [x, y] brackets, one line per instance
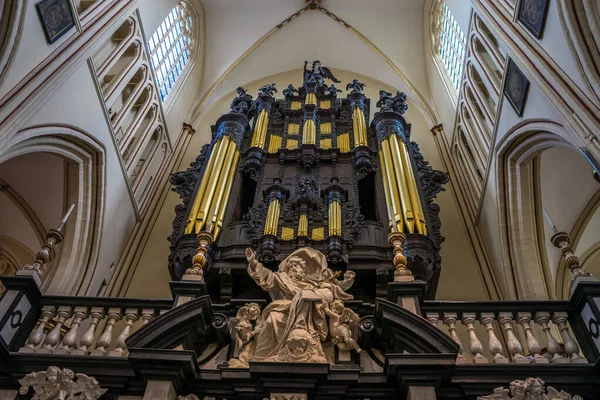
[170, 48]
[451, 46]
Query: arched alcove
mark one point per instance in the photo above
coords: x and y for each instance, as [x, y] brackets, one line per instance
[530, 158]
[48, 168]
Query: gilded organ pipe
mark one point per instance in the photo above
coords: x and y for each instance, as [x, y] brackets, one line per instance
[200, 194]
[402, 182]
[309, 132]
[359, 124]
[413, 190]
[393, 186]
[303, 225]
[220, 202]
[213, 180]
[260, 131]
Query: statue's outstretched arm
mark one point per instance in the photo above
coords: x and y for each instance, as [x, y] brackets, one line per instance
[261, 275]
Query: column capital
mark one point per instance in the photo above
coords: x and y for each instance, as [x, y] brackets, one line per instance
[188, 128]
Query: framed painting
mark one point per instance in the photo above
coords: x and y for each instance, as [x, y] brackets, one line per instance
[56, 17]
[516, 87]
[532, 15]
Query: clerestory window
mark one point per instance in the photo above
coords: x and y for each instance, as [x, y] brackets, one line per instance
[170, 47]
[451, 42]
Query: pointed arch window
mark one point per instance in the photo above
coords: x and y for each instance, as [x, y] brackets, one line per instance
[170, 47]
[451, 44]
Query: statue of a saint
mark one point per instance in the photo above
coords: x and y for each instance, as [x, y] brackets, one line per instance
[294, 324]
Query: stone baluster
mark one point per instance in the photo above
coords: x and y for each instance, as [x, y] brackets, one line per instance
[97, 313]
[571, 347]
[148, 315]
[433, 318]
[487, 319]
[450, 322]
[131, 315]
[53, 338]
[475, 346]
[105, 340]
[37, 335]
[514, 346]
[69, 341]
[533, 346]
[554, 354]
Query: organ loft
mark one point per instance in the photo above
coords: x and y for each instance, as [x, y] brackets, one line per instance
[309, 170]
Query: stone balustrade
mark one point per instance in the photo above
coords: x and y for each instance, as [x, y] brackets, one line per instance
[504, 332]
[92, 326]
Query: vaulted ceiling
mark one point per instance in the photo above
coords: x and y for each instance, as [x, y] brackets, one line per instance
[248, 40]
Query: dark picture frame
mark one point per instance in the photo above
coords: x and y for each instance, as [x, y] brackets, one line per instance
[56, 17]
[532, 15]
[516, 87]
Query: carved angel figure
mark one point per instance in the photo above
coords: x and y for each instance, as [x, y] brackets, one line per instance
[385, 101]
[333, 91]
[268, 90]
[244, 333]
[356, 86]
[317, 74]
[56, 383]
[340, 320]
[243, 104]
[289, 91]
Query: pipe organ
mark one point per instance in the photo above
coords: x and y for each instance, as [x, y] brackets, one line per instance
[310, 169]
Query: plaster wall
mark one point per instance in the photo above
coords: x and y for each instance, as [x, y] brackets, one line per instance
[151, 276]
[32, 49]
[76, 103]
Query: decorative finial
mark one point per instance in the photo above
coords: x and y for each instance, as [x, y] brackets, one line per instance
[243, 103]
[402, 274]
[53, 237]
[388, 103]
[204, 240]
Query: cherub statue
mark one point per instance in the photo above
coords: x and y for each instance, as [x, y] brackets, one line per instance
[340, 320]
[244, 333]
[289, 91]
[529, 389]
[356, 86]
[268, 90]
[60, 384]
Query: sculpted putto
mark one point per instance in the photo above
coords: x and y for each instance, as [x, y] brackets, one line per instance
[60, 384]
[244, 332]
[293, 326]
[340, 320]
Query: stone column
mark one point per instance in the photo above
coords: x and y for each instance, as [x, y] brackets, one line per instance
[160, 390]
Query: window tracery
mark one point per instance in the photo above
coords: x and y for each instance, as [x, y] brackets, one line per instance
[170, 48]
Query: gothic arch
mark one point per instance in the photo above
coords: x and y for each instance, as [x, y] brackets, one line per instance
[11, 18]
[525, 268]
[75, 262]
[581, 21]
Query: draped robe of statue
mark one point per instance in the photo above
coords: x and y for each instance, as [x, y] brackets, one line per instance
[297, 304]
